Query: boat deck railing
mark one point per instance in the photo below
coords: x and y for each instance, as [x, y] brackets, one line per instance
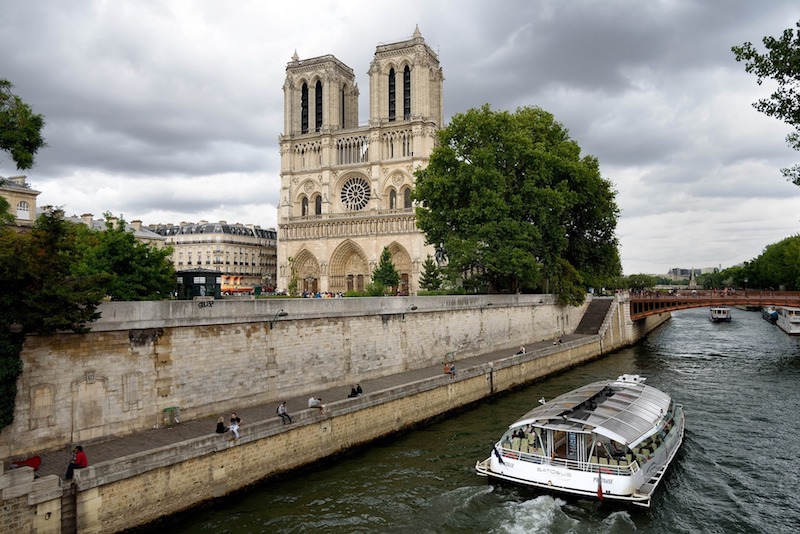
[622, 467]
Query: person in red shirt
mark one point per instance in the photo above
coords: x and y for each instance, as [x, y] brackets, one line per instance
[79, 461]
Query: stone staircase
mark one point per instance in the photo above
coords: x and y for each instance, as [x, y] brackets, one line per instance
[595, 315]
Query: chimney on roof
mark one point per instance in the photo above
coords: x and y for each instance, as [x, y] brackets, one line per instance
[137, 225]
[86, 218]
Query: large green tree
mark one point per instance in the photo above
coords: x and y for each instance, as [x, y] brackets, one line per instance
[781, 63]
[20, 128]
[130, 270]
[510, 200]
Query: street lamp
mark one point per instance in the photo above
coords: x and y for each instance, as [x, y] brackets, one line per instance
[410, 308]
[280, 313]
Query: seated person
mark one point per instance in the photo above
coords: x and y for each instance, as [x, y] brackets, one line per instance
[353, 393]
[316, 402]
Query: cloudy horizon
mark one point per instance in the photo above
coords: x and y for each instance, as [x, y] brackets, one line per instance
[171, 112]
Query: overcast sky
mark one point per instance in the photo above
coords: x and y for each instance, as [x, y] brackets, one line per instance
[171, 111]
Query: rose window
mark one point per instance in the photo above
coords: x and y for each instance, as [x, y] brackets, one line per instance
[355, 193]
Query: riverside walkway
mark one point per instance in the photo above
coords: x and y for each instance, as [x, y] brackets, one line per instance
[55, 462]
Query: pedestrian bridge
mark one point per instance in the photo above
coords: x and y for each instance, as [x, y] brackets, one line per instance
[651, 303]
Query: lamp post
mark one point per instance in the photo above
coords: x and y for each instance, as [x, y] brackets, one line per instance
[280, 313]
[410, 308]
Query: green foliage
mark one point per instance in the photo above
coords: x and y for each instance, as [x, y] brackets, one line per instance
[508, 197]
[641, 282]
[431, 278]
[20, 128]
[777, 267]
[781, 63]
[129, 269]
[385, 275]
[6, 218]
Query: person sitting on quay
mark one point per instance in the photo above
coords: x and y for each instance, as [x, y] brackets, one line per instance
[353, 393]
[79, 461]
[284, 414]
[520, 351]
[359, 390]
[316, 402]
[221, 428]
[234, 428]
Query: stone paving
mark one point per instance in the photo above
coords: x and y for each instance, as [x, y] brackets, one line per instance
[55, 462]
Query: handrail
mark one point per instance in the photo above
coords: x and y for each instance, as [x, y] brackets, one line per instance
[575, 465]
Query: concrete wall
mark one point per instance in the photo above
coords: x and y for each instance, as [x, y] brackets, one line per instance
[209, 356]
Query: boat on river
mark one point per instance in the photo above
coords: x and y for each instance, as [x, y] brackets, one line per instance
[769, 313]
[789, 320]
[611, 440]
[720, 314]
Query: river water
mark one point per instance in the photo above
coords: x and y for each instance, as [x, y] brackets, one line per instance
[738, 470]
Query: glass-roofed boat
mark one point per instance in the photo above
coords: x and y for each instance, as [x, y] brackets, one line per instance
[606, 440]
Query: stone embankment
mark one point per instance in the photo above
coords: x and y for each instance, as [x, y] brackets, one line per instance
[144, 475]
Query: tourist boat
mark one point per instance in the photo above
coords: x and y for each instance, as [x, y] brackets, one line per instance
[789, 320]
[607, 440]
[770, 314]
[719, 314]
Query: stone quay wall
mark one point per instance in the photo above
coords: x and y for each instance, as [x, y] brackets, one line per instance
[135, 490]
[207, 357]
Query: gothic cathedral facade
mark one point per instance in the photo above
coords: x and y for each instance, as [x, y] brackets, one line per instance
[345, 188]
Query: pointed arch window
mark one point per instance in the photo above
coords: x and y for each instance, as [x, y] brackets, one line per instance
[392, 95]
[342, 123]
[304, 207]
[304, 109]
[407, 93]
[407, 198]
[318, 205]
[392, 199]
[318, 106]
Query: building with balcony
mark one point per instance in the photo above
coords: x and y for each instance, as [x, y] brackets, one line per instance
[346, 189]
[244, 254]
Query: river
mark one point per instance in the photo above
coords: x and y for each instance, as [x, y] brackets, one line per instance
[738, 470]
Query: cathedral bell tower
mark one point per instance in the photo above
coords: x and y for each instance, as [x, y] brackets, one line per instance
[346, 188]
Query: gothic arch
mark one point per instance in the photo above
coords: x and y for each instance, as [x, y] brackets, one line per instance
[402, 264]
[307, 271]
[349, 268]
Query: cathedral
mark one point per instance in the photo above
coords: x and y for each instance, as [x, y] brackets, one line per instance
[345, 187]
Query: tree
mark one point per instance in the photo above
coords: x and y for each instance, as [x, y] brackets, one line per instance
[781, 63]
[430, 279]
[131, 270]
[385, 275]
[777, 267]
[509, 198]
[20, 128]
[40, 294]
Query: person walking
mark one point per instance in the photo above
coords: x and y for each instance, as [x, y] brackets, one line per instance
[79, 461]
[283, 413]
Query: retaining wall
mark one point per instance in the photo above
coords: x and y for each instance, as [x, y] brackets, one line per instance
[135, 490]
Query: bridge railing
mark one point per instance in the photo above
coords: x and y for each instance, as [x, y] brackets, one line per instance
[654, 302]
